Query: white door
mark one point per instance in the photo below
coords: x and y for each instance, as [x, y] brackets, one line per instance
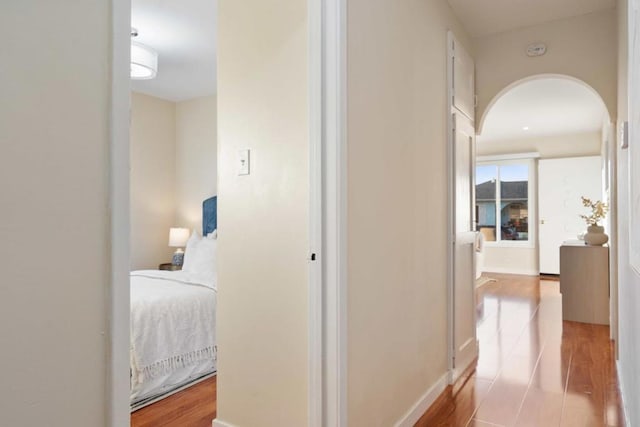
[464, 295]
[561, 182]
[462, 106]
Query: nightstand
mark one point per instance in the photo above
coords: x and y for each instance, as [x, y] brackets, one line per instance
[169, 266]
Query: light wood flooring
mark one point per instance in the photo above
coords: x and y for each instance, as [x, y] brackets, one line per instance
[534, 370]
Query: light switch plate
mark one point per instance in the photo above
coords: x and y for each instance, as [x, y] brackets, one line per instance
[243, 162]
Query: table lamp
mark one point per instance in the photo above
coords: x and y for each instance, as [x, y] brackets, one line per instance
[178, 239]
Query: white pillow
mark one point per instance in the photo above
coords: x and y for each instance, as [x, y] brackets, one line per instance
[190, 250]
[200, 257]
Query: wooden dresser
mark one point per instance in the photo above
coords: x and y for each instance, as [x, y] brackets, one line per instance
[584, 283]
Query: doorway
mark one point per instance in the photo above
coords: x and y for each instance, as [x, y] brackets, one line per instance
[326, 396]
[555, 131]
[560, 189]
[561, 127]
[173, 209]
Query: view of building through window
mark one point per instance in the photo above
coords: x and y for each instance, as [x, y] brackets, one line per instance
[502, 201]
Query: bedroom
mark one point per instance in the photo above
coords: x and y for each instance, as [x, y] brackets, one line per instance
[173, 155]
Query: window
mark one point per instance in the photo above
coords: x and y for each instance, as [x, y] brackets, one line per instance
[502, 201]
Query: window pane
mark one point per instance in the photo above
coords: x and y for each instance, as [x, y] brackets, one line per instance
[486, 177]
[514, 202]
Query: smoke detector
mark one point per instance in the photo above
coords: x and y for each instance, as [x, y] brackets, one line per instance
[536, 49]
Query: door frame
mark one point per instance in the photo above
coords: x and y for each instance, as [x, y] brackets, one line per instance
[327, 361]
[328, 75]
[453, 372]
[118, 309]
[450, 208]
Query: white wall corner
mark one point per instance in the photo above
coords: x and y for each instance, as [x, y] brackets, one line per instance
[424, 403]
[623, 397]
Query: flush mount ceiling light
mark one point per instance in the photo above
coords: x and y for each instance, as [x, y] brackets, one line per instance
[144, 60]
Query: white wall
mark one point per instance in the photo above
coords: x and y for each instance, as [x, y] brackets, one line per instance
[196, 158]
[526, 260]
[628, 279]
[397, 205]
[511, 260]
[173, 170]
[262, 325]
[551, 147]
[54, 221]
[152, 180]
[583, 47]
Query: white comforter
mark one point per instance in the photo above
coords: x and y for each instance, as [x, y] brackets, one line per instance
[172, 322]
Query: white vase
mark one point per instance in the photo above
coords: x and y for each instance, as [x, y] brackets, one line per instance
[595, 236]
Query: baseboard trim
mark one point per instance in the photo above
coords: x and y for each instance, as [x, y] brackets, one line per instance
[467, 366]
[423, 404]
[625, 413]
[523, 272]
[220, 423]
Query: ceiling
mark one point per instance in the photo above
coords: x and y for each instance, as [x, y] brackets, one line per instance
[184, 35]
[483, 17]
[543, 107]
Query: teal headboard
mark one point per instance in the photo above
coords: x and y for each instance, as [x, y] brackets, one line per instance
[209, 215]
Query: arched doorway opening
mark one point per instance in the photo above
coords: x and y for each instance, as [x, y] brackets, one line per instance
[531, 139]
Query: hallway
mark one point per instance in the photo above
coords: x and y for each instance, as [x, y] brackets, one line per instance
[533, 369]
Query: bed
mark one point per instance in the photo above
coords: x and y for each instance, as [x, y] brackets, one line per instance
[172, 337]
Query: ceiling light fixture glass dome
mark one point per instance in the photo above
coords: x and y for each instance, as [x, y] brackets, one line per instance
[144, 60]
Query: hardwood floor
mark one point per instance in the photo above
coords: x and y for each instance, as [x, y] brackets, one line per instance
[192, 407]
[534, 369]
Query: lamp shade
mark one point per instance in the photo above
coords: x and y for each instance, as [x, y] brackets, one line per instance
[178, 237]
[144, 62]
